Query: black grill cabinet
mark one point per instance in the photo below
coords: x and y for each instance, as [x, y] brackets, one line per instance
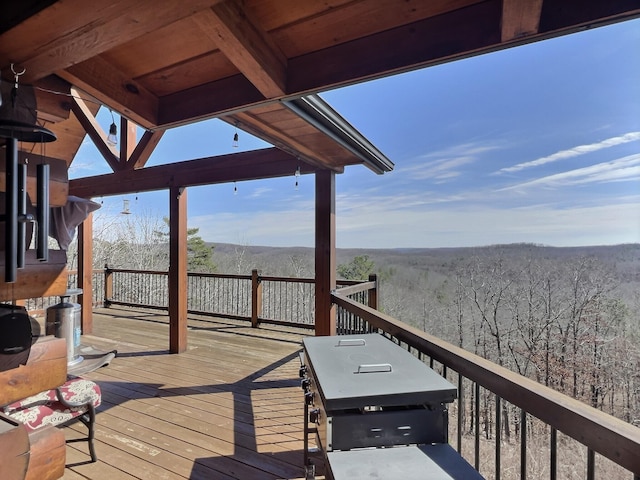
[368, 392]
[378, 411]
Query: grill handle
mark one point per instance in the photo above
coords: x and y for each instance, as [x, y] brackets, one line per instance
[351, 342]
[375, 368]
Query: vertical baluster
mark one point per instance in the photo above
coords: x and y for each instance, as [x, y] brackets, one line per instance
[477, 426]
[498, 434]
[591, 464]
[553, 457]
[460, 412]
[523, 445]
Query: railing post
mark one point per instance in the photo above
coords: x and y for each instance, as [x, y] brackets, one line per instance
[373, 293]
[256, 297]
[108, 286]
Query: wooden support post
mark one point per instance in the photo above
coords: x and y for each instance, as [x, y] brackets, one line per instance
[85, 273]
[177, 269]
[325, 261]
[373, 293]
[108, 286]
[256, 297]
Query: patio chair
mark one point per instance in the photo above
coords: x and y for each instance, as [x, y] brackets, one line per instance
[36, 391]
[76, 399]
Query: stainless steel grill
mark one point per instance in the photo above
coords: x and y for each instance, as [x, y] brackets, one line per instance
[363, 392]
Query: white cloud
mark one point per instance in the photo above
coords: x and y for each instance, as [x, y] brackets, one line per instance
[622, 169]
[574, 152]
[389, 222]
[445, 164]
[259, 192]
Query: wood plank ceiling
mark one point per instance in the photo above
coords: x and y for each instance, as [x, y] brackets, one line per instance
[162, 63]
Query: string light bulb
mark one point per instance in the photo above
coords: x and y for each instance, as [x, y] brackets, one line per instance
[234, 144]
[235, 188]
[297, 175]
[112, 138]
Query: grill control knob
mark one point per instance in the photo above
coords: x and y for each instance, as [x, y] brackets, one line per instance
[305, 384]
[308, 398]
[303, 371]
[314, 416]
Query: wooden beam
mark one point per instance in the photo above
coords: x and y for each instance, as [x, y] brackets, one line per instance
[249, 48]
[267, 163]
[52, 99]
[85, 273]
[208, 100]
[520, 18]
[101, 80]
[128, 142]
[455, 34]
[563, 16]
[144, 149]
[95, 132]
[76, 33]
[325, 254]
[177, 269]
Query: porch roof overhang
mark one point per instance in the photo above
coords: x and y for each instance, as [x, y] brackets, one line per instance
[257, 64]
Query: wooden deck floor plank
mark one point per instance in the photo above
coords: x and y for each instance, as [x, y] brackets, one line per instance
[265, 406]
[184, 442]
[229, 408]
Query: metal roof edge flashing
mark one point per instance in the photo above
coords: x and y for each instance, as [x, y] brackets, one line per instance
[319, 113]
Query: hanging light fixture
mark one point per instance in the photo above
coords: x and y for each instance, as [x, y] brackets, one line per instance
[112, 138]
[297, 175]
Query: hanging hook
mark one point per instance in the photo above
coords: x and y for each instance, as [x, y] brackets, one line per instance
[14, 90]
[17, 74]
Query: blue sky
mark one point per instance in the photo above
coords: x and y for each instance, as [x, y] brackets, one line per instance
[539, 143]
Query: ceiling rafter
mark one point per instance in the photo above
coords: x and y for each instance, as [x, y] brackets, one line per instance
[251, 124]
[144, 149]
[248, 47]
[520, 18]
[94, 130]
[106, 84]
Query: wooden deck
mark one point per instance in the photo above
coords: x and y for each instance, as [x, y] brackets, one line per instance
[229, 408]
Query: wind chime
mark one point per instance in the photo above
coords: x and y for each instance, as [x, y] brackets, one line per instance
[18, 123]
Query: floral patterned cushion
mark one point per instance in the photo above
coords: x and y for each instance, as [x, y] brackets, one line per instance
[45, 408]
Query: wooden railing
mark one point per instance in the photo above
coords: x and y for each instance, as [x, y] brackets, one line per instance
[599, 432]
[256, 298]
[485, 388]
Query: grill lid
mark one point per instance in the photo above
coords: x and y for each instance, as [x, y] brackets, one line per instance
[355, 371]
